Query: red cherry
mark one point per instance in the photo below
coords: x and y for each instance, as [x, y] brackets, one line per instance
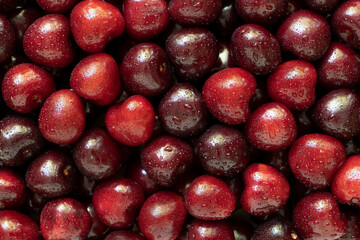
[322, 6]
[124, 235]
[98, 229]
[51, 6]
[210, 230]
[7, 39]
[13, 192]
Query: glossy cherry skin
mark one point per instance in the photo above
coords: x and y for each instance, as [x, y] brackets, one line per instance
[132, 121]
[146, 70]
[51, 174]
[223, 151]
[13, 192]
[162, 216]
[20, 140]
[337, 114]
[64, 218]
[191, 13]
[182, 111]
[98, 229]
[46, 42]
[344, 22]
[314, 159]
[62, 6]
[193, 51]
[124, 235]
[322, 6]
[97, 79]
[255, 49]
[7, 39]
[227, 94]
[145, 19]
[304, 34]
[317, 216]
[15, 225]
[276, 228]
[271, 127]
[62, 117]
[97, 154]
[339, 68]
[210, 230]
[209, 198]
[293, 84]
[166, 158]
[25, 87]
[345, 185]
[266, 190]
[87, 24]
[117, 202]
[263, 12]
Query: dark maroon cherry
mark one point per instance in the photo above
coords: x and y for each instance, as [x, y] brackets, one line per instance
[51, 174]
[15, 225]
[304, 34]
[337, 114]
[255, 49]
[223, 151]
[182, 111]
[35, 203]
[317, 216]
[243, 230]
[228, 19]
[224, 59]
[162, 216]
[146, 70]
[64, 218]
[13, 192]
[124, 235]
[97, 154]
[193, 51]
[278, 160]
[166, 158]
[185, 181]
[261, 96]
[353, 226]
[20, 140]
[276, 228]
[7, 39]
[85, 186]
[210, 230]
[62, 6]
[8, 5]
[322, 6]
[294, 5]
[98, 229]
[117, 202]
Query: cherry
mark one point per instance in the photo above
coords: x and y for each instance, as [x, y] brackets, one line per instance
[276, 228]
[97, 79]
[132, 121]
[50, 6]
[184, 182]
[294, 5]
[322, 6]
[7, 39]
[98, 229]
[255, 49]
[117, 202]
[162, 216]
[209, 198]
[46, 42]
[304, 34]
[95, 23]
[227, 94]
[278, 160]
[62, 117]
[64, 218]
[124, 235]
[13, 192]
[210, 230]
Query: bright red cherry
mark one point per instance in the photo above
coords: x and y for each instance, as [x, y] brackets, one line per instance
[13, 192]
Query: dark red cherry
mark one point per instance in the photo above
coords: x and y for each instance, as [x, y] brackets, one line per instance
[210, 230]
[25, 87]
[339, 68]
[13, 192]
[132, 121]
[146, 70]
[193, 51]
[345, 184]
[263, 12]
[294, 5]
[322, 6]
[95, 23]
[243, 230]
[255, 49]
[194, 13]
[51, 174]
[293, 84]
[185, 181]
[344, 22]
[304, 34]
[162, 216]
[20, 140]
[209, 198]
[97, 155]
[46, 42]
[353, 226]
[8, 5]
[223, 151]
[337, 114]
[224, 59]
[97, 79]
[15, 225]
[278, 160]
[166, 158]
[64, 218]
[228, 19]
[145, 19]
[86, 186]
[7, 39]
[124, 235]
[227, 94]
[51, 6]
[62, 117]
[117, 202]
[182, 111]
[317, 216]
[98, 229]
[266, 190]
[276, 229]
[271, 127]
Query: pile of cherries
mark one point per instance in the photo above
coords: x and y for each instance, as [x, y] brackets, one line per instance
[180, 119]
